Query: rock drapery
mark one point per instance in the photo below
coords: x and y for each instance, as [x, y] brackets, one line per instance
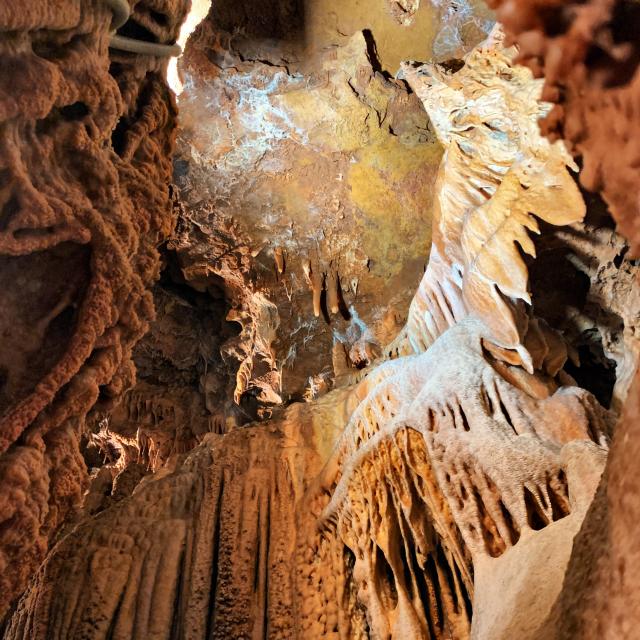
[487, 208]
[430, 576]
[419, 502]
[87, 135]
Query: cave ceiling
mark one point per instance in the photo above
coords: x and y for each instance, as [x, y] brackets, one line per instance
[307, 172]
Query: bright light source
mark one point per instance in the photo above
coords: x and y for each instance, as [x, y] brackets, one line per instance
[199, 10]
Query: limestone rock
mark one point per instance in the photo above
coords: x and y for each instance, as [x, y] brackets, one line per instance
[86, 139]
[496, 175]
[422, 501]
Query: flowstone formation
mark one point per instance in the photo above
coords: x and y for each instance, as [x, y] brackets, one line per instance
[86, 141]
[294, 138]
[436, 496]
[483, 431]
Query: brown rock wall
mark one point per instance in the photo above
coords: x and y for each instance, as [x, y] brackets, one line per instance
[418, 503]
[588, 54]
[86, 137]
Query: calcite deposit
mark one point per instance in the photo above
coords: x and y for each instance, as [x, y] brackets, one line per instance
[487, 208]
[355, 359]
[434, 494]
[87, 135]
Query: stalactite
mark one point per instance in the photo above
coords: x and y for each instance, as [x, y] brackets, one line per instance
[278, 254]
[332, 291]
[317, 287]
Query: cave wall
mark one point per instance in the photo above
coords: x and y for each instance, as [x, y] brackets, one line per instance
[436, 497]
[588, 54]
[437, 491]
[87, 136]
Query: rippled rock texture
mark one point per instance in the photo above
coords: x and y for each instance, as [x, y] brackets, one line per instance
[87, 136]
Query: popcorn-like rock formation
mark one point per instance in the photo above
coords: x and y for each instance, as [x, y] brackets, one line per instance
[589, 55]
[438, 497]
[85, 163]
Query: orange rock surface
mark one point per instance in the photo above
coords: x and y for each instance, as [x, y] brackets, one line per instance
[87, 136]
[237, 407]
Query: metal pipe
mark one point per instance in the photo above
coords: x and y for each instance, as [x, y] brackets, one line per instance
[142, 47]
[121, 12]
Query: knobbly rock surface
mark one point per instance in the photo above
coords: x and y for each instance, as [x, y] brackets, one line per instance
[242, 406]
[85, 164]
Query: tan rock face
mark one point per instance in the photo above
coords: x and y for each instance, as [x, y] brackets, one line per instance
[280, 168]
[295, 140]
[86, 140]
[588, 54]
[435, 497]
